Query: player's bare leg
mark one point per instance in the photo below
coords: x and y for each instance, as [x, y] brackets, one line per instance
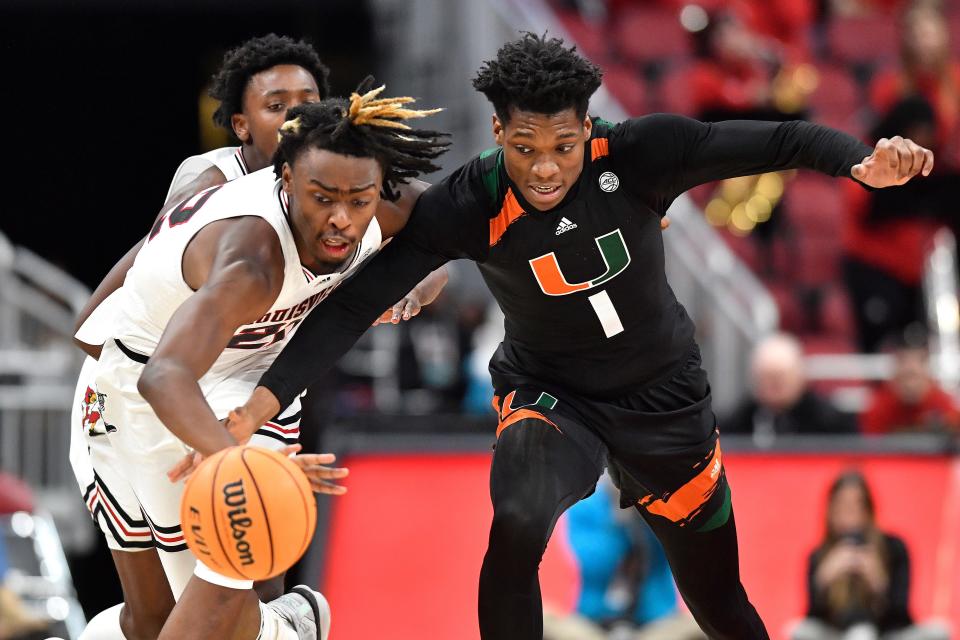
[270, 589]
[233, 613]
[147, 597]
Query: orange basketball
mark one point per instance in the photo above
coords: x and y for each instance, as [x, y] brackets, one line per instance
[248, 513]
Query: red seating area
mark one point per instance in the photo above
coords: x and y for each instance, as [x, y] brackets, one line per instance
[647, 57]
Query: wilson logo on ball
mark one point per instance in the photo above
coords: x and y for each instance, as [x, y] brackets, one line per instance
[248, 513]
[234, 496]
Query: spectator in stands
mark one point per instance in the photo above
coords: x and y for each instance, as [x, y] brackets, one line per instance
[927, 68]
[859, 577]
[864, 8]
[626, 585]
[781, 402]
[911, 401]
[886, 235]
[733, 72]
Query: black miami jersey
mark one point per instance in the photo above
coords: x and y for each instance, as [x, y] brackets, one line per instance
[583, 288]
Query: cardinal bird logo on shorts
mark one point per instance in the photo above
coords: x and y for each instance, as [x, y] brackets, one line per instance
[92, 407]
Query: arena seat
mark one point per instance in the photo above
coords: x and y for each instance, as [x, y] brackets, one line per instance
[626, 84]
[674, 95]
[836, 314]
[788, 305]
[837, 95]
[863, 40]
[591, 38]
[647, 34]
[814, 205]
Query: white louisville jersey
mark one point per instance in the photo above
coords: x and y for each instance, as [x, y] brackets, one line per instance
[96, 328]
[154, 288]
[229, 160]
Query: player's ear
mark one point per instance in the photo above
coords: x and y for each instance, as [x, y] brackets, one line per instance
[240, 127]
[587, 127]
[286, 178]
[497, 130]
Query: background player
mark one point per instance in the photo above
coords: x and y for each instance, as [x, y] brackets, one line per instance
[221, 283]
[599, 363]
[257, 83]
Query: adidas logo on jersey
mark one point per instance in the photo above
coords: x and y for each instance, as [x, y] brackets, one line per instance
[565, 225]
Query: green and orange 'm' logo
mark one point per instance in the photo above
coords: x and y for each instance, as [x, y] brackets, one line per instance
[552, 281]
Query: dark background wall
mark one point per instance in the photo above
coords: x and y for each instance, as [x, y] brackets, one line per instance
[100, 104]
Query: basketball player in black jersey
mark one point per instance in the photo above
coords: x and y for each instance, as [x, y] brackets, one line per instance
[599, 365]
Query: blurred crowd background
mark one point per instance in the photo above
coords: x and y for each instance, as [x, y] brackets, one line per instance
[828, 313]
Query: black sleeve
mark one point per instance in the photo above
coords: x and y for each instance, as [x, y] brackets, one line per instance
[663, 155]
[438, 230]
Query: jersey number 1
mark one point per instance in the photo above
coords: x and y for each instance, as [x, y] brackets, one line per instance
[615, 256]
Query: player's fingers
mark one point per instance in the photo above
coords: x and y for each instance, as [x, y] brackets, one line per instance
[326, 473]
[918, 157]
[291, 449]
[315, 458]
[322, 486]
[904, 157]
[185, 467]
[664, 223]
[397, 312]
[859, 171]
[410, 309]
[885, 153]
[927, 162]
[179, 469]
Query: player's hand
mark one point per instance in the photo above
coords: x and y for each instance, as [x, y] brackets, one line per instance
[664, 223]
[407, 308]
[186, 466]
[893, 162]
[322, 477]
[241, 424]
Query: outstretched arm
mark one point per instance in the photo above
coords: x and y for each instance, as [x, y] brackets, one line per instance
[669, 154]
[244, 279]
[420, 296]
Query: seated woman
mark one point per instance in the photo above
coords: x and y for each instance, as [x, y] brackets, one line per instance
[859, 576]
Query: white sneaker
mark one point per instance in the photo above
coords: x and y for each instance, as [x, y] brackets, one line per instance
[306, 610]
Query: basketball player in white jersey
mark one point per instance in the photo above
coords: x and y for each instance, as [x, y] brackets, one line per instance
[219, 286]
[258, 82]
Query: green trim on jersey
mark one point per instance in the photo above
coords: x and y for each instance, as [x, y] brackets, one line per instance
[546, 401]
[604, 123]
[491, 161]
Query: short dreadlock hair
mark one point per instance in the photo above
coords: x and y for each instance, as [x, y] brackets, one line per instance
[256, 55]
[364, 127]
[538, 74]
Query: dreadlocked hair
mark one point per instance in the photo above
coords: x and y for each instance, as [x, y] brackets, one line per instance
[538, 74]
[364, 126]
[253, 56]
